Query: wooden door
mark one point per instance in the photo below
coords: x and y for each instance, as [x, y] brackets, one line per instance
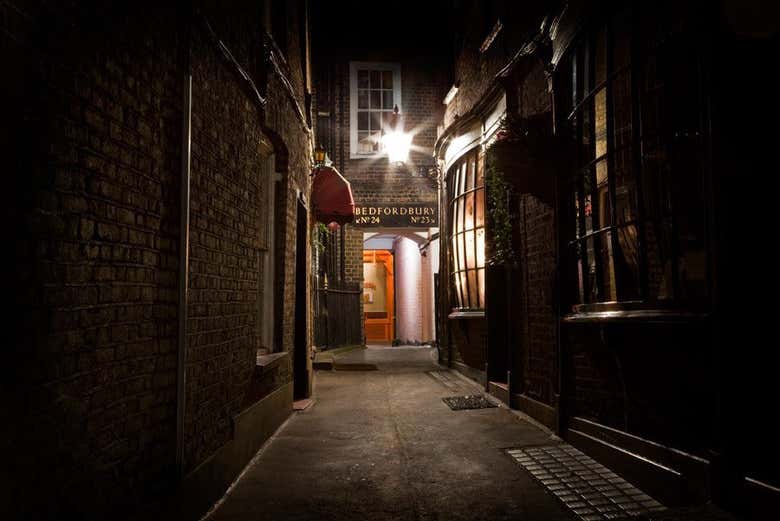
[378, 302]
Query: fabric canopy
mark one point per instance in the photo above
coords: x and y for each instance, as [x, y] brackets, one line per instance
[332, 196]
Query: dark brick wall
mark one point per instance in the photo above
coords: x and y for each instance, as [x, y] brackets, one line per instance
[94, 101]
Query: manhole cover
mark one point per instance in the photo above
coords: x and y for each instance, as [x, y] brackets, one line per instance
[474, 401]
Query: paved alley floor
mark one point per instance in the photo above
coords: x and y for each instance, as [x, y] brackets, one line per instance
[381, 444]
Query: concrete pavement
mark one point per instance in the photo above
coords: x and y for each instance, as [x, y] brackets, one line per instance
[381, 444]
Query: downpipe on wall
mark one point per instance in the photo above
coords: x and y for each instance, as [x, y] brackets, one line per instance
[184, 248]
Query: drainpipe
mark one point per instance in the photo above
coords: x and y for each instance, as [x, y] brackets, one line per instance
[184, 248]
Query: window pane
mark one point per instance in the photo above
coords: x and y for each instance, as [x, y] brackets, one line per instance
[464, 289]
[625, 187]
[603, 202]
[376, 99]
[376, 139]
[604, 243]
[601, 122]
[387, 99]
[621, 109]
[480, 207]
[469, 174]
[626, 263]
[469, 203]
[601, 55]
[362, 120]
[660, 271]
[481, 282]
[387, 79]
[456, 262]
[480, 247]
[376, 121]
[364, 143]
[362, 79]
[473, 290]
[362, 99]
[470, 249]
[375, 82]
[457, 289]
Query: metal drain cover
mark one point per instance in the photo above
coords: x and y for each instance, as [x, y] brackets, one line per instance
[473, 401]
[587, 488]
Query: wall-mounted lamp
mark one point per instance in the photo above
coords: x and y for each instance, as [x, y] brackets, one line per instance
[319, 155]
[395, 140]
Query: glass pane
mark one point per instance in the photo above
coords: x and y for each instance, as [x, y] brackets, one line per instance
[362, 120]
[592, 292]
[376, 121]
[601, 122]
[481, 282]
[480, 207]
[587, 149]
[480, 247]
[461, 211]
[465, 290]
[469, 202]
[601, 55]
[603, 203]
[469, 165]
[621, 29]
[362, 99]
[376, 99]
[471, 251]
[387, 99]
[387, 79]
[456, 261]
[625, 187]
[456, 290]
[473, 290]
[621, 109]
[362, 79]
[376, 140]
[580, 276]
[626, 263]
[364, 143]
[375, 82]
[609, 290]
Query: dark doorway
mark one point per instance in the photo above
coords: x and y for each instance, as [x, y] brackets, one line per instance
[300, 362]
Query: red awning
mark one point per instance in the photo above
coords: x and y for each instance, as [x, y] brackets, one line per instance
[331, 196]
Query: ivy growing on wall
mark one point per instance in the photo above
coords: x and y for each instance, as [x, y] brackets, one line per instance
[499, 195]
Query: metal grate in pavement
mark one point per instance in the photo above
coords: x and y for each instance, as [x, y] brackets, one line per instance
[587, 488]
[473, 401]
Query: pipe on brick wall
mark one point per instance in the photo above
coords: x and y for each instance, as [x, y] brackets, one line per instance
[184, 248]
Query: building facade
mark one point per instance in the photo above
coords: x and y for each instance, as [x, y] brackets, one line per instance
[161, 162]
[585, 155]
[363, 73]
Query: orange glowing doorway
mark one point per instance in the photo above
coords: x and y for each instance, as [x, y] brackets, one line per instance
[378, 295]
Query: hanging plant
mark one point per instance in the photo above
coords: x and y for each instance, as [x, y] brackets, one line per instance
[319, 238]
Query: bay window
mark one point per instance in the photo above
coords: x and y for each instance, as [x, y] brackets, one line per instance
[633, 108]
[466, 193]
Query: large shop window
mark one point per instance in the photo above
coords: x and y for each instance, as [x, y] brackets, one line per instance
[634, 111]
[375, 90]
[466, 189]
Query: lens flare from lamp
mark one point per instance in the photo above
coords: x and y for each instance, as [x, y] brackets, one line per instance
[397, 145]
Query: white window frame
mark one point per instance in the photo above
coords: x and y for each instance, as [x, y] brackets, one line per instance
[395, 68]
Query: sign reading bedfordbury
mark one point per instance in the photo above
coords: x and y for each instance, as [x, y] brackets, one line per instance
[422, 215]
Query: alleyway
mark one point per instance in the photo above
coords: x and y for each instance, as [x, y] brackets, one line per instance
[381, 444]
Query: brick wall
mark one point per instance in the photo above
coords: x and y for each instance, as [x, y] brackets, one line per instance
[95, 100]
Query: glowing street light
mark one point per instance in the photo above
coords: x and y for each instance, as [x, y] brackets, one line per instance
[396, 142]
